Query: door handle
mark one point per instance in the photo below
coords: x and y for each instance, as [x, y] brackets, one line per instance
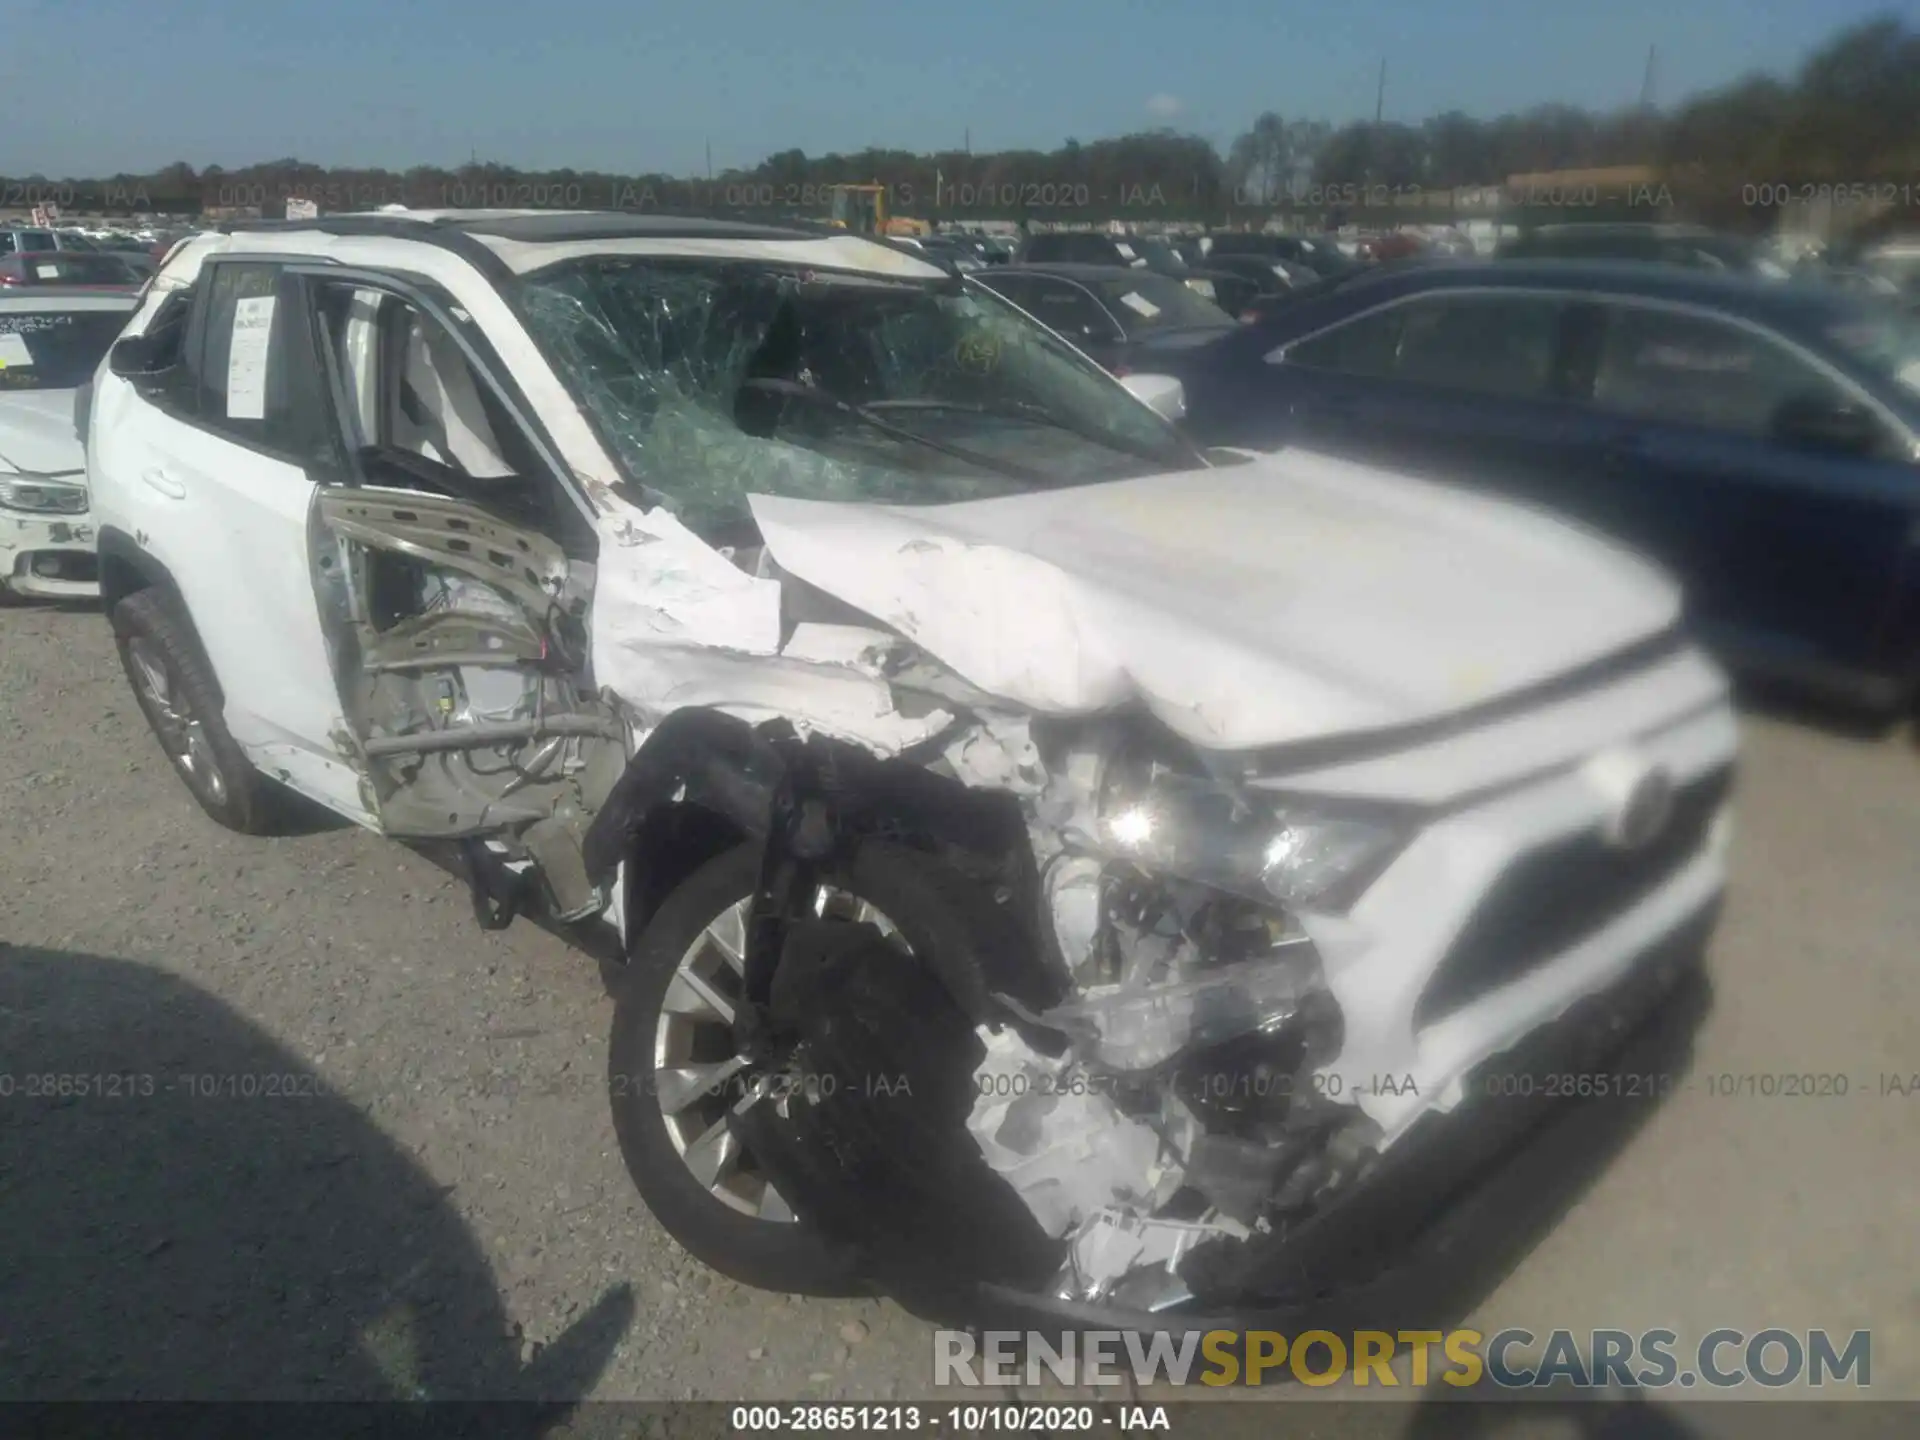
[165, 484]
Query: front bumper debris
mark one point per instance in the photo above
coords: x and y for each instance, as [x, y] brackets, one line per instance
[1458, 1201]
[954, 1137]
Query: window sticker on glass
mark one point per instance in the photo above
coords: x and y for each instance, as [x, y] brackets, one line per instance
[247, 360]
[47, 272]
[13, 350]
[1139, 304]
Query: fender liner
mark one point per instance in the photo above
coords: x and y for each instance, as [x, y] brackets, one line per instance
[811, 803]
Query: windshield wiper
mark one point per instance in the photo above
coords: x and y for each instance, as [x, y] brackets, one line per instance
[1025, 410]
[793, 390]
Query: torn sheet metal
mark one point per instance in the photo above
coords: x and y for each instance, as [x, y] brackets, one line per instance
[659, 583]
[835, 700]
[1060, 1141]
[1133, 1260]
[1134, 1027]
[676, 623]
[1290, 597]
[999, 754]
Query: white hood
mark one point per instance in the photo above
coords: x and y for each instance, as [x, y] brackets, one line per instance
[36, 433]
[1290, 597]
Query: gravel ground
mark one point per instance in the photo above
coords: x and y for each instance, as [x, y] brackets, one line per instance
[439, 1208]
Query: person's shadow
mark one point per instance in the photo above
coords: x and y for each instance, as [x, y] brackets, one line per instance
[186, 1214]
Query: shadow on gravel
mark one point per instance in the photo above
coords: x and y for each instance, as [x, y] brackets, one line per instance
[186, 1215]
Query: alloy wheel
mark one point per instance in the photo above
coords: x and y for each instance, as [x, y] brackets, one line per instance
[183, 735]
[701, 1078]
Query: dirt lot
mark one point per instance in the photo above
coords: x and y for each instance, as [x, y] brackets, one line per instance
[431, 1202]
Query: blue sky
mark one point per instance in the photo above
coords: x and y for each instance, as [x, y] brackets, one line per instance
[88, 87]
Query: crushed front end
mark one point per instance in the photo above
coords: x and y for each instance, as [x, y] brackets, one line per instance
[1231, 1031]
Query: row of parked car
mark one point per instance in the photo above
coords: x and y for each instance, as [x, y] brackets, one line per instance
[1751, 427]
[812, 628]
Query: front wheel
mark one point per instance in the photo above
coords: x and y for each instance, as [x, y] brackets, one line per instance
[674, 1073]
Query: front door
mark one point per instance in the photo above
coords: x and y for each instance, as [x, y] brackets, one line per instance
[455, 578]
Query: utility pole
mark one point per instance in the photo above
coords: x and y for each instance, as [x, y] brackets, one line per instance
[709, 159]
[968, 142]
[1380, 95]
[1646, 80]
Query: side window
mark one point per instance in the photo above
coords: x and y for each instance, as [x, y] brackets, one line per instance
[415, 410]
[250, 362]
[6, 242]
[1677, 368]
[1365, 346]
[1487, 344]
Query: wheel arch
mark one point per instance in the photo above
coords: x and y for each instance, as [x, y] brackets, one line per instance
[704, 781]
[127, 567]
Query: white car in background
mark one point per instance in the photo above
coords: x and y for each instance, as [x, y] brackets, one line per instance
[52, 339]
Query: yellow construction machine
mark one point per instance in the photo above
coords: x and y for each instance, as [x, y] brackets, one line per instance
[862, 210]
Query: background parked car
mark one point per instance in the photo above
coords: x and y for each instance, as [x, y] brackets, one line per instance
[28, 240]
[1760, 439]
[1693, 246]
[1128, 321]
[51, 342]
[1264, 278]
[1322, 256]
[1226, 287]
[95, 270]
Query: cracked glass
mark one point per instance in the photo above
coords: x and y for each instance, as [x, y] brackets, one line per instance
[715, 380]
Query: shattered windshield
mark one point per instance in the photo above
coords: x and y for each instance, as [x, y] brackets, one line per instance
[717, 380]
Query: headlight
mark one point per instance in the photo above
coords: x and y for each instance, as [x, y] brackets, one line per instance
[46, 497]
[1302, 857]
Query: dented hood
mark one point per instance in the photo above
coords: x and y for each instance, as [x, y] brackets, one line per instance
[1290, 597]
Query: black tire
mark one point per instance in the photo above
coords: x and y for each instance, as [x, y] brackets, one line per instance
[149, 626]
[910, 891]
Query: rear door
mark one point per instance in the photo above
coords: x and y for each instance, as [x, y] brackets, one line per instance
[1792, 553]
[219, 472]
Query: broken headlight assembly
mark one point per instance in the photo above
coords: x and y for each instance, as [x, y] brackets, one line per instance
[1168, 821]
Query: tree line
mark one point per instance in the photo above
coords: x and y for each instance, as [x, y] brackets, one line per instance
[1846, 127]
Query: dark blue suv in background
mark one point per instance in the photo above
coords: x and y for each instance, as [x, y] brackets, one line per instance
[1759, 439]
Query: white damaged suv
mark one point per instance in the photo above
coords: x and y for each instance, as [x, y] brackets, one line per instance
[1057, 870]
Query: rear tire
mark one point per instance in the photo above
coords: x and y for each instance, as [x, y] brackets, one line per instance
[174, 684]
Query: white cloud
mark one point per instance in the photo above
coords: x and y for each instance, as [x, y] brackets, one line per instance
[1163, 106]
